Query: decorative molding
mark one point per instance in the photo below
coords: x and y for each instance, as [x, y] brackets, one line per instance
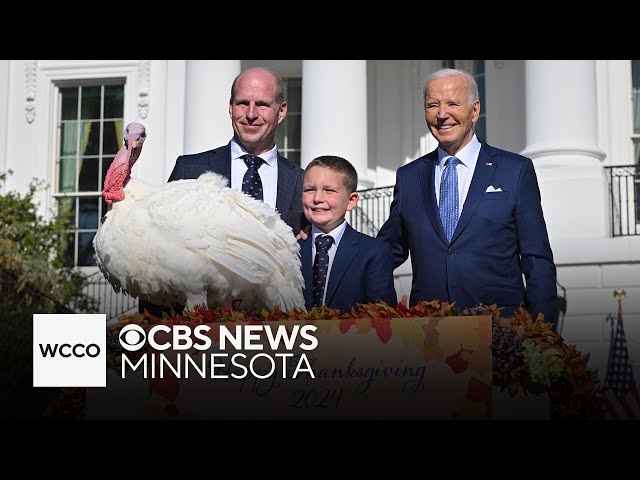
[59, 66]
[144, 80]
[30, 81]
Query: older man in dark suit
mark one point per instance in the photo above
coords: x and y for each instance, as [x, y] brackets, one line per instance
[470, 214]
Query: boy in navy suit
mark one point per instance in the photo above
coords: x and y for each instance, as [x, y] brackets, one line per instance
[341, 266]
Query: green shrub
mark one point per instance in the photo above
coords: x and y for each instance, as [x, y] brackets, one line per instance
[35, 277]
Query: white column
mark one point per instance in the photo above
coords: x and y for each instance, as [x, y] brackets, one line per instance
[206, 114]
[561, 114]
[334, 112]
[562, 136]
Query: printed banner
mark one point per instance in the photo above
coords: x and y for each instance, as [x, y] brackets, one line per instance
[400, 368]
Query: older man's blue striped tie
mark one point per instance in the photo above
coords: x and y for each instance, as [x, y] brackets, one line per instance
[449, 205]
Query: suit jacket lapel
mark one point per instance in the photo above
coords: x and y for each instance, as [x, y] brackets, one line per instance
[344, 256]
[220, 161]
[307, 267]
[427, 177]
[485, 167]
[286, 187]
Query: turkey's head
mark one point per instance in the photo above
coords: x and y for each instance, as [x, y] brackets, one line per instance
[119, 172]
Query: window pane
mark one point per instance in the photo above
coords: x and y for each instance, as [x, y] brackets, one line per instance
[294, 156]
[481, 129]
[67, 178]
[67, 209]
[635, 98]
[635, 95]
[90, 103]
[636, 150]
[105, 209]
[114, 101]
[85, 249]
[294, 94]
[637, 184]
[70, 249]
[105, 166]
[112, 133]
[478, 67]
[90, 138]
[480, 82]
[88, 178]
[280, 134]
[69, 103]
[68, 138]
[293, 131]
[88, 217]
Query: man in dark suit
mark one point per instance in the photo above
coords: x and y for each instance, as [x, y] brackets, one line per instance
[470, 214]
[354, 268]
[256, 107]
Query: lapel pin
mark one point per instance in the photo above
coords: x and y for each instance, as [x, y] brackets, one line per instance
[488, 164]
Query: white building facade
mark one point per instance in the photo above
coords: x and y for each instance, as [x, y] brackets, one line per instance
[61, 121]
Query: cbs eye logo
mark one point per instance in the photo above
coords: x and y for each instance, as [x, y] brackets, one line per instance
[132, 337]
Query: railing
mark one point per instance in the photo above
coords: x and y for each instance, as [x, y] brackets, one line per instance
[624, 188]
[111, 303]
[370, 213]
[372, 210]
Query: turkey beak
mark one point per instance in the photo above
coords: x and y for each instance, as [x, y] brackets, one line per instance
[135, 147]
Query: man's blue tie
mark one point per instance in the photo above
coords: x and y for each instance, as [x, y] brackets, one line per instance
[449, 206]
[321, 268]
[251, 182]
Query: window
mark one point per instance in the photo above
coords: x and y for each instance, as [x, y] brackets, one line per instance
[475, 68]
[288, 133]
[90, 125]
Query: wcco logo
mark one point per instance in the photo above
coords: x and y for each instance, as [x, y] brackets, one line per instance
[78, 350]
[69, 350]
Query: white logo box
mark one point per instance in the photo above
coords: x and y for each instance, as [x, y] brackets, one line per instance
[79, 343]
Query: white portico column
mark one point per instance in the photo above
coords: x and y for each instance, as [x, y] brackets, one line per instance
[334, 112]
[206, 113]
[562, 136]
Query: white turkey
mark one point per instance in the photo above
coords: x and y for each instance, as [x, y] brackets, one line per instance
[193, 241]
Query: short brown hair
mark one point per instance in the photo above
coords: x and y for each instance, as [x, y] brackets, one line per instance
[338, 165]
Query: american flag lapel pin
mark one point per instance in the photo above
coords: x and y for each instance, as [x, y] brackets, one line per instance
[488, 164]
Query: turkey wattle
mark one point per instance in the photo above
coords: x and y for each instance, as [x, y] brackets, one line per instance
[193, 241]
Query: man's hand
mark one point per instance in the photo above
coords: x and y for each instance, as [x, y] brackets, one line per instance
[304, 233]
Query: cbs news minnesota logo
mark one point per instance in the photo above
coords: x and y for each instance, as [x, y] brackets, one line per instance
[69, 350]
